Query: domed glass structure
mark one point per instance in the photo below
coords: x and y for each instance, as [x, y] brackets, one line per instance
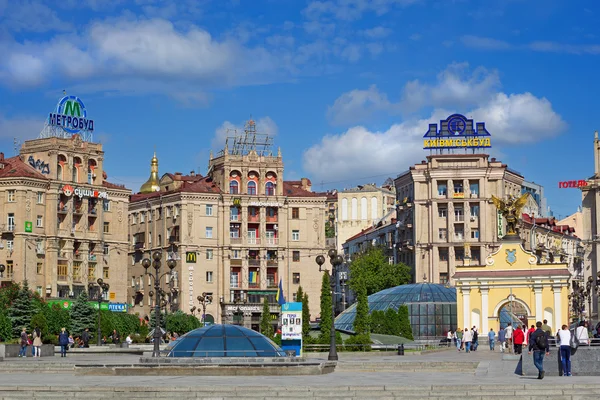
[431, 307]
[224, 341]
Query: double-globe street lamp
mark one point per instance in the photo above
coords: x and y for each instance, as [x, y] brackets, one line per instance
[100, 295]
[335, 260]
[156, 276]
[204, 299]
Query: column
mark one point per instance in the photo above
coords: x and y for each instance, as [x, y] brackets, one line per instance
[539, 312]
[484, 310]
[466, 307]
[558, 318]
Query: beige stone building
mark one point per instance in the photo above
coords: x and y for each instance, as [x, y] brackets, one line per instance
[236, 233]
[65, 225]
[362, 207]
[445, 214]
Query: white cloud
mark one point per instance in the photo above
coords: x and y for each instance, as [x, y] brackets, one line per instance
[484, 43]
[456, 86]
[359, 152]
[264, 125]
[358, 105]
[137, 49]
[377, 32]
[351, 10]
[30, 16]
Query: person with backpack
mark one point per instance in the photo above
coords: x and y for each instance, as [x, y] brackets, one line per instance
[23, 342]
[540, 345]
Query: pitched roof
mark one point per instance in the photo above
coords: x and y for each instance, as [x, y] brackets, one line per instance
[291, 190]
[361, 233]
[204, 185]
[14, 167]
[189, 178]
[113, 185]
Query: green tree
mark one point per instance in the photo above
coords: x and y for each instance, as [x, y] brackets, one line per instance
[326, 304]
[361, 321]
[181, 322]
[22, 309]
[266, 328]
[83, 315]
[377, 321]
[56, 318]
[5, 327]
[8, 294]
[305, 317]
[39, 321]
[374, 269]
[392, 327]
[404, 321]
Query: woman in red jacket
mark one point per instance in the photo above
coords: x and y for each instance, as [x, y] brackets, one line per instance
[518, 339]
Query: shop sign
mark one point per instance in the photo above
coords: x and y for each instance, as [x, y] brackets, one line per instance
[117, 307]
[191, 285]
[244, 308]
[237, 201]
[28, 226]
[572, 184]
[265, 204]
[456, 132]
[500, 225]
[71, 115]
[69, 191]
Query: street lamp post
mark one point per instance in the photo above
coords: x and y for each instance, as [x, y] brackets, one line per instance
[335, 260]
[592, 288]
[2, 268]
[156, 264]
[104, 287]
[204, 299]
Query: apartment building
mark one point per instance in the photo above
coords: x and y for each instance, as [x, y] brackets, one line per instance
[236, 233]
[445, 215]
[361, 207]
[64, 224]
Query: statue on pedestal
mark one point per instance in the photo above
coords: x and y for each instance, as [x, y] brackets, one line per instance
[511, 211]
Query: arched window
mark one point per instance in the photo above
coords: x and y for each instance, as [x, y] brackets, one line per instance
[374, 208]
[363, 208]
[234, 187]
[344, 209]
[76, 166]
[251, 187]
[354, 208]
[270, 189]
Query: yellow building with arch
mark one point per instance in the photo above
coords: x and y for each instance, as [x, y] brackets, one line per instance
[513, 279]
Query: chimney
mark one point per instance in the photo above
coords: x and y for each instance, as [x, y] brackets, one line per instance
[177, 175]
[306, 184]
[192, 173]
[1, 156]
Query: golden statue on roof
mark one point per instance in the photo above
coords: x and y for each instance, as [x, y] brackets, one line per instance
[511, 211]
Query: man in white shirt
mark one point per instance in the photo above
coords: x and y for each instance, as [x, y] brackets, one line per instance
[467, 339]
[509, 337]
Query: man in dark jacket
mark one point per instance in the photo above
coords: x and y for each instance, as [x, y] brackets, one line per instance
[85, 337]
[539, 344]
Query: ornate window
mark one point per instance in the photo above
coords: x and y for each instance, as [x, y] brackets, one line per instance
[252, 187]
[270, 189]
[234, 187]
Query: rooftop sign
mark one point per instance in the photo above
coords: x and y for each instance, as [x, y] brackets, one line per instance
[572, 184]
[71, 115]
[457, 132]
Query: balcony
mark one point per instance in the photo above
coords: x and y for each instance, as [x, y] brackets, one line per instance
[92, 257]
[459, 218]
[174, 239]
[77, 256]
[235, 240]
[92, 212]
[272, 263]
[138, 246]
[235, 218]
[10, 228]
[272, 241]
[458, 195]
[271, 218]
[61, 277]
[235, 262]
[253, 218]
[78, 209]
[234, 284]
[254, 262]
[271, 283]
[253, 240]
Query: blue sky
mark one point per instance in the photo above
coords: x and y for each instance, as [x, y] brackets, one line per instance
[347, 87]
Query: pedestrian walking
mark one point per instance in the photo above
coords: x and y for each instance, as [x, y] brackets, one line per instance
[467, 339]
[63, 341]
[509, 337]
[459, 337]
[492, 338]
[539, 345]
[518, 339]
[37, 342]
[449, 337]
[475, 342]
[502, 338]
[582, 334]
[564, 336]
[85, 338]
[24, 340]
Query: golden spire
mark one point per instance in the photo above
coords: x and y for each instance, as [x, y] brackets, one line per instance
[153, 183]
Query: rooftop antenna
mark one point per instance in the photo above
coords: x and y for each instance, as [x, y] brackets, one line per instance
[16, 144]
[250, 140]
